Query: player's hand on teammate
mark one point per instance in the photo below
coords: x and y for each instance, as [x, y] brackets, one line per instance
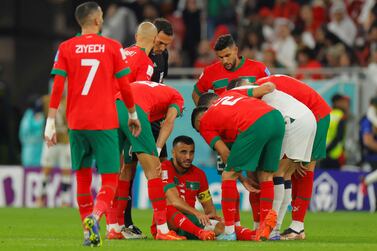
[50, 132]
[250, 184]
[301, 170]
[214, 216]
[203, 218]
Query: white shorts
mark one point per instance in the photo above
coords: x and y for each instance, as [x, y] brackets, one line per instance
[299, 137]
[56, 156]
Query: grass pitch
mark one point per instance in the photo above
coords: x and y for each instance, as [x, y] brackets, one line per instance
[59, 229]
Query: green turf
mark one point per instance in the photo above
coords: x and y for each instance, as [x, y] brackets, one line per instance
[59, 229]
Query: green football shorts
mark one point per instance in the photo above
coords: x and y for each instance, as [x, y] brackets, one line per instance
[144, 143]
[259, 147]
[101, 145]
[319, 145]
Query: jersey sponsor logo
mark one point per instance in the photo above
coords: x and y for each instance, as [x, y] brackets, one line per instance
[90, 48]
[325, 193]
[150, 71]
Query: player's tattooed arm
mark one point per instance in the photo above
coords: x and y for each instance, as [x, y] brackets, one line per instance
[176, 201]
[264, 89]
[222, 149]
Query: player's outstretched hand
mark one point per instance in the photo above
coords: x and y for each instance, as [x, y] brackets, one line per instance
[50, 132]
[215, 217]
[135, 127]
[203, 219]
[250, 185]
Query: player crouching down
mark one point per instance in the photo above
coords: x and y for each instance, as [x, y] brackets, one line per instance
[183, 184]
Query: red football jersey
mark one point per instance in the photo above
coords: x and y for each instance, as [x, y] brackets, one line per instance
[190, 185]
[140, 64]
[155, 99]
[91, 64]
[216, 77]
[232, 114]
[300, 91]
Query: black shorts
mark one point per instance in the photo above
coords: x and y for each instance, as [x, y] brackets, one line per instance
[156, 126]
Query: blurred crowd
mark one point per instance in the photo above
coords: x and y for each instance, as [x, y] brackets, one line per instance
[292, 34]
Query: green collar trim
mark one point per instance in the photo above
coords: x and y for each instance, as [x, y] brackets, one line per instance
[242, 62]
[79, 34]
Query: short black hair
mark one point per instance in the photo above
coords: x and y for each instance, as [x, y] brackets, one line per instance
[336, 97]
[206, 98]
[198, 110]
[183, 139]
[84, 10]
[235, 83]
[223, 42]
[163, 25]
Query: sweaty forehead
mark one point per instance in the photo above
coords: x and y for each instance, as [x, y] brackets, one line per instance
[162, 37]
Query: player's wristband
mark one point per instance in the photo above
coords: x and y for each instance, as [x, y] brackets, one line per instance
[132, 115]
[50, 128]
[159, 151]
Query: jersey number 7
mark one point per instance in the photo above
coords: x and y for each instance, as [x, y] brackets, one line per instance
[94, 64]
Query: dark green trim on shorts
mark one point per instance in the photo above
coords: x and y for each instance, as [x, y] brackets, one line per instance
[197, 90]
[168, 186]
[123, 72]
[213, 142]
[177, 108]
[59, 72]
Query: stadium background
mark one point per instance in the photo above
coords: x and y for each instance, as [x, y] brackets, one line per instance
[31, 30]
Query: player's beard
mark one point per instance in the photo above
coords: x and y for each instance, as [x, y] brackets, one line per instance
[231, 66]
[185, 164]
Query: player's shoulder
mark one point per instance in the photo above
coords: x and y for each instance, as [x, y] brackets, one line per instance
[251, 62]
[215, 66]
[166, 165]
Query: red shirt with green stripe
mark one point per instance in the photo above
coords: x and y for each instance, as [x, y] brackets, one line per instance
[232, 114]
[92, 64]
[140, 64]
[191, 185]
[215, 77]
[155, 99]
[300, 91]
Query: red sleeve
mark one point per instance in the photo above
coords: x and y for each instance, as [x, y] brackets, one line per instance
[203, 182]
[204, 84]
[126, 92]
[265, 72]
[177, 102]
[57, 91]
[210, 135]
[60, 63]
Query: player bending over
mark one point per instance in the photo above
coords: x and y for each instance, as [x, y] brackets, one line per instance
[256, 131]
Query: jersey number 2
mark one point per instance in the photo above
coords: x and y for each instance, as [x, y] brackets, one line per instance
[93, 63]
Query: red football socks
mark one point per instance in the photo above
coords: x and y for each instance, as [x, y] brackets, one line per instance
[254, 199]
[181, 221]
[122, 199]
[106, 194]
[230, 196]
[304, 194]
[84, 195]
[266, 198]
[157, 197]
